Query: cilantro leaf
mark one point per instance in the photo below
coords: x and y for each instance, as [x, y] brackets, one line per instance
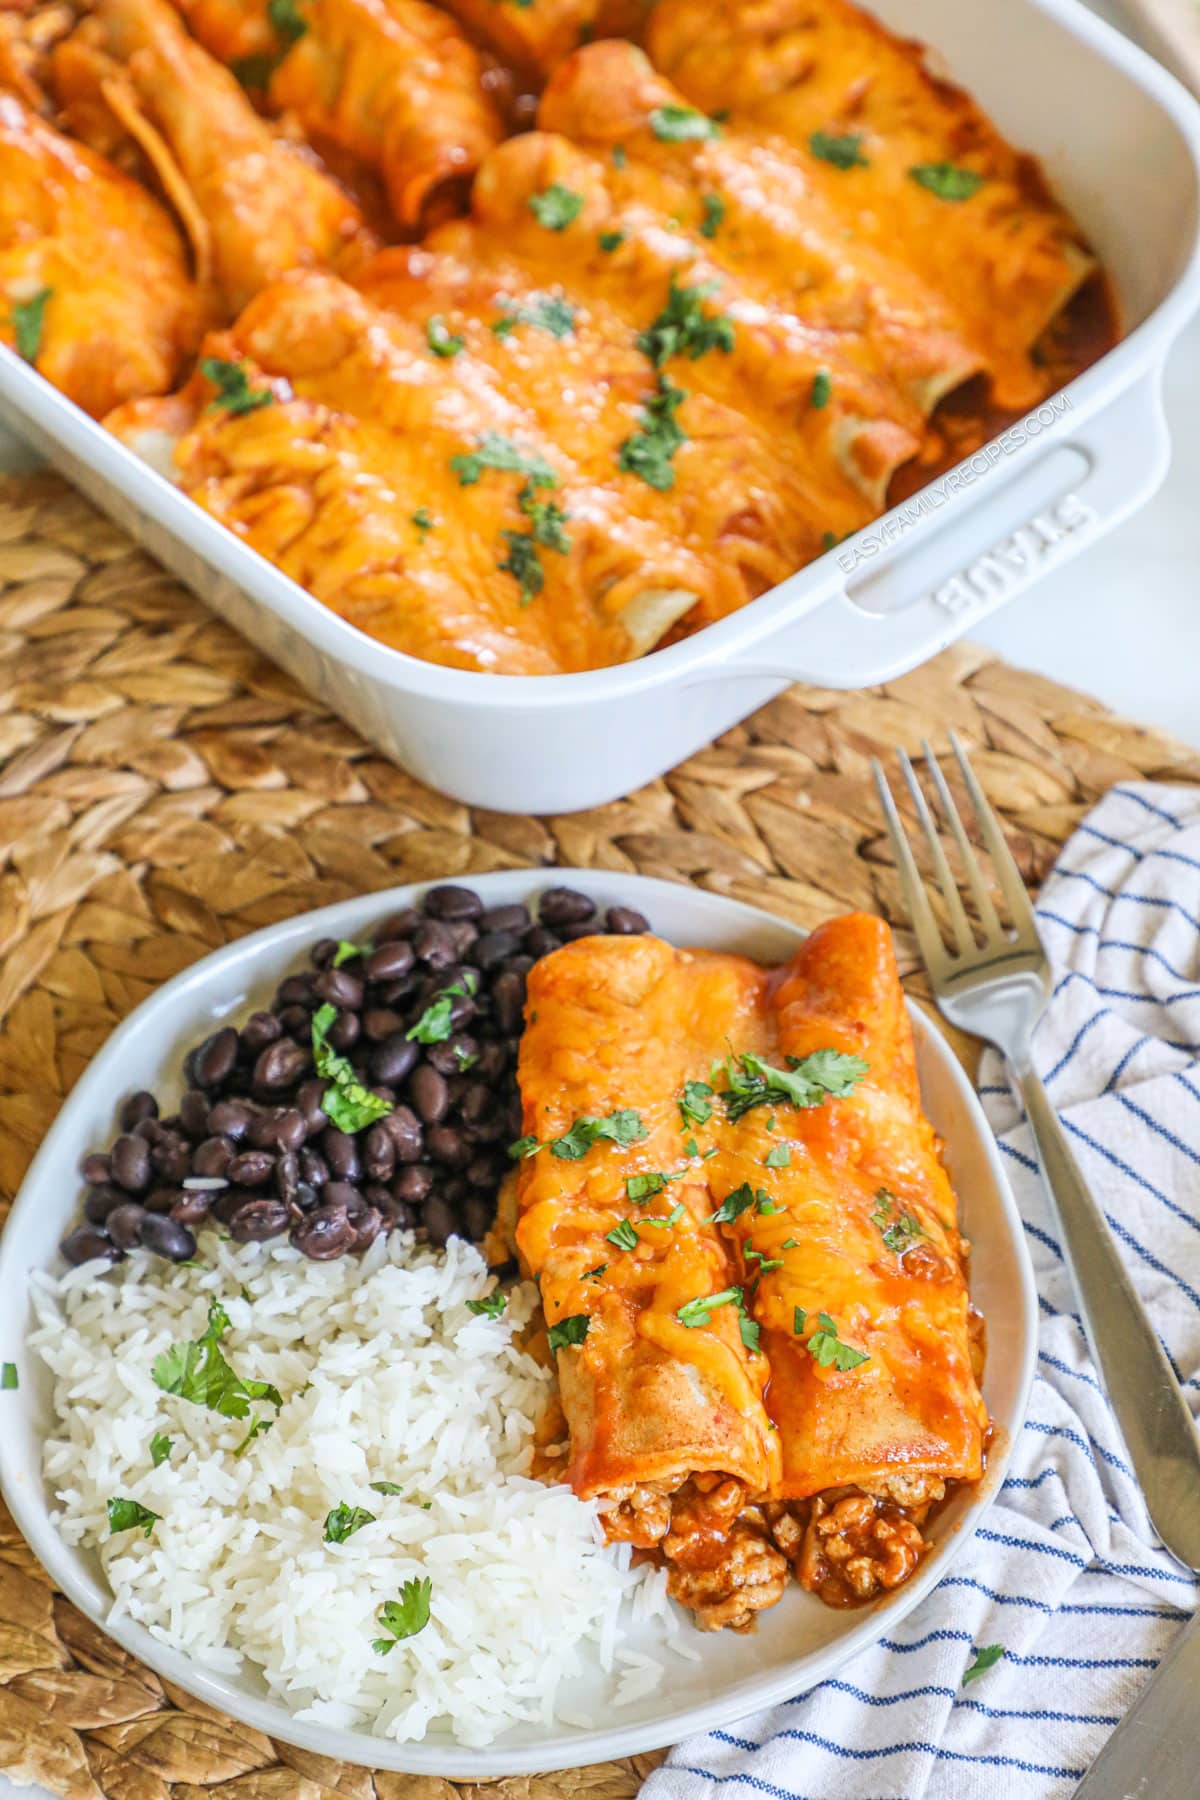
[828, 1350]
[610, 241]
[126, 1515]
[843, 152]
[28, 321]
[346, 1103]
[749, 1329]
[691, 1148]
[683, 328]
[623, 1127]
[258, 1428]
[9, 1380]
[806, 1082]
[682, 124]
[571, 1330]
[344, 1521]
[624, 1236]
[385, 1487]
[765, 1263]
[714, 214]
[986, 1657]
[620, 156]
[733, 1205]
[441, 340]
[491, 1307]
[234, 393]
[672, 1218]
[160, 1448]
[700, 1310]
[594, 1274]
[644, 1187]
[403, 1618]
[288, 21]
[423, 520]
[822, 389]
[648, 453]
[346, 951]
[199, 1372]
[549, 312]
[524, 1146]
[556, 207]
[947, 180]
[799, 1319]
[900, 1233]
[779, 1156]
[436, 1023]
[696, 1106]
[496, 452]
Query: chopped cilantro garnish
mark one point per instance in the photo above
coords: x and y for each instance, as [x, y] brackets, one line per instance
[822, 388]
[346, 1102]
[125, 1515]
[623, 1127]
[556, 207]
[672, 1218]
[644, 1187]
[436, 1023]
[691, 1148]
[385, 1487]
[947, 180]
[160, 1448]
[699, 1311]
[255, 71]
[682, 124]
[827, 1349]
[346, 951]
[288, 21]
[549, 312]
[765, 1263]
[403, 1618]
[596, 1273]
[843, 152]
[790, 1244]
[234, 393]
[610, 241]
[829, 541]
[8, 1378]
[571, 1330]
[807, 1080]
[799, 1318]
[546, 528]
[344, 1521]
[696, 1105]
[524, 564]
[733, 1205]
[620, 156]
[749, 1329]
[28, 320]
[899, 1233]
[423, 520]
[496, 452]
[986, 1657]
[623, 1236]
[683, 328]
[441, 340]
[259, 1428]
[491, 1306]
[714, 214]
[199, 1372]
[779, 1156]
[648, 452]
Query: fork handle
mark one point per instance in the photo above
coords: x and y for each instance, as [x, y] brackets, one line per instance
[1150, 1409]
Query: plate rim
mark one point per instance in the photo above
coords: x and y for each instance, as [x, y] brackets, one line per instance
[579, 1746]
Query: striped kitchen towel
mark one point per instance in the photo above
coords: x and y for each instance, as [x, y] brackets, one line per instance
[1065, 1572]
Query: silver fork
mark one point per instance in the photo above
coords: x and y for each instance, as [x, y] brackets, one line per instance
[998, 989]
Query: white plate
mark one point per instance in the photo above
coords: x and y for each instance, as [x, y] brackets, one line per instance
[799, 1642]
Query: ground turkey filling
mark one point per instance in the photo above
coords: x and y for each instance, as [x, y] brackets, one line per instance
[728, 1557]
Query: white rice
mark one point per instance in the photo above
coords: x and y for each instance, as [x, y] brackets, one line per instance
[385, 1376]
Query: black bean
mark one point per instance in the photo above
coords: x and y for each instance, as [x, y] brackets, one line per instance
[375, 1194]
[340, 1194]
[96, 1169]
[482, 1172]
[400, 925]
[564, 906]
[341, 1153]
[304, 1198]
[367, 1226]
[379, 1154]
[124, 1224]
[313, 1168]
[323, 1234]
[213, 1156]
[477, 1216]
[505, 918]
[430, 1095]
[338, 987]
[172, 1158]
[571, 934]
[392, 1060]
[463, 934]
[508, 998]
[626, 920]
[280, 1065]
[285, 1129]
[323, 952]
[439, 1219]
[434, 945]
[252, 1168]
[287, 1175]
[456, 1054]
[540, 942]
[398, 1214]
[231, 1119]
[297, 1022]
[380, 1022]
[344, 1033]
[259, 1220]
[296, 990]
[149, 1130]
[139, 1106]
[167, 1237]
[193, 1113]
[389, 960]
[191, 1206]
[413, 1183]
[131, 1164]
[495, 948]
[490, 1129]
[446, 1145]
[87, 1241]
[393, 993]
[215, 1057]
[308, 1101]
[476, 1103]
[449, 902]
[260, 1029]
[160, 1199]
[492, 1063]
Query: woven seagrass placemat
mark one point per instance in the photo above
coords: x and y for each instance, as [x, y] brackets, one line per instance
[163, 790]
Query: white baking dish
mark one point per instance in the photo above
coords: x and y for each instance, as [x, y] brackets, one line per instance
[1120, 142]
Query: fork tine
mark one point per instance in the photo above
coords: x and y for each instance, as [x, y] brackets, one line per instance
[1007, 873]
[929, 937]
[989, 918]
[959, 923]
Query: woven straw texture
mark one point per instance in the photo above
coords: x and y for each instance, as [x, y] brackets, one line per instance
[163, 790]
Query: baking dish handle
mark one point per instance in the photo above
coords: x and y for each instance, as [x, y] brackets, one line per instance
[937, 580]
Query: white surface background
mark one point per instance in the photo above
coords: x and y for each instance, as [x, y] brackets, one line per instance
[1123, 620]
